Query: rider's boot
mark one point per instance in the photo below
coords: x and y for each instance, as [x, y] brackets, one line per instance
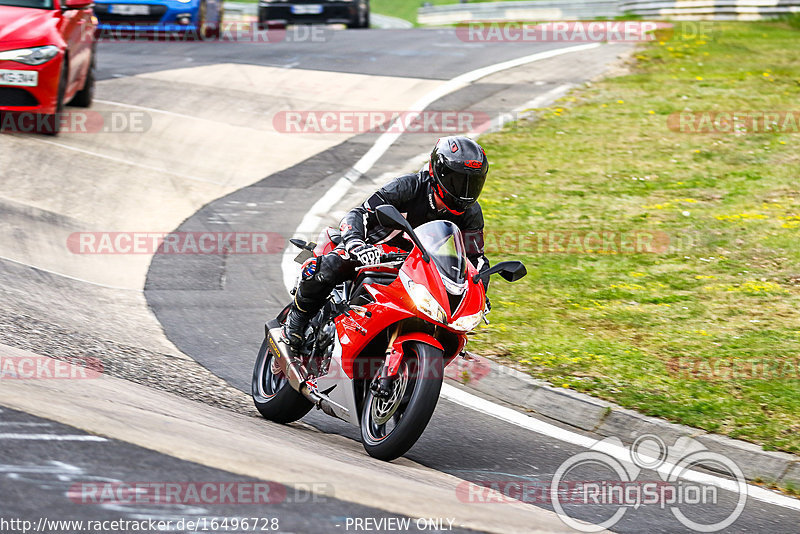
[294, 330]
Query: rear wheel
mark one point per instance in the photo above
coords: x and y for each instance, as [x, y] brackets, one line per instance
[272, 394]
[390, 426]
[361, 20]
[208, 30]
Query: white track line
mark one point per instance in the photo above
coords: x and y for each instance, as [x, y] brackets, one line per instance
[52, 437]
[311, 220]
[12, 423]
[151, 110]
[128, 162]
[521, 420]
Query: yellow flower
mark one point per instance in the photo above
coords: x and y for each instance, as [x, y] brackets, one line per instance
[699, 78]
[620, 101]
[652, 112]
[565, 385]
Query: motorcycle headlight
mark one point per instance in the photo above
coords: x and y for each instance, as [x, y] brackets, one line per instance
[425, 302]
[30, 56]
[467, 323]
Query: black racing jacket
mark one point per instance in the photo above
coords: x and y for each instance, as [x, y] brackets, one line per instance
[412, 195]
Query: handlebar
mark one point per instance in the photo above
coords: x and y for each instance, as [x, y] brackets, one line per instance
[389, 259]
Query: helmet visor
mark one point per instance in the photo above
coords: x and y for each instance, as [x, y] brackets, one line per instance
[464, 188]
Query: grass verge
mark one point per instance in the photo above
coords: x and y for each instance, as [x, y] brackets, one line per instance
[704, 329]
[407, 9]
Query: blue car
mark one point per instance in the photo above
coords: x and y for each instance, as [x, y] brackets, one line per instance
[200, 17]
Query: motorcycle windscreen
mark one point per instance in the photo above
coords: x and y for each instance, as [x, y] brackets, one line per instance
[445, 243]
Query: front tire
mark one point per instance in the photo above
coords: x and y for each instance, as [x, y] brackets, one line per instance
[390, 427]
[84, 97]
[51, 124]
[272, 394]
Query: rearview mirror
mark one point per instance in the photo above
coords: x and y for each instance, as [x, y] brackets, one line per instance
[76, 4]
[509, 270]
[389, 217]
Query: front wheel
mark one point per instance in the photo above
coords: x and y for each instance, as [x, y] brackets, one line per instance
[51, 124]
[391, 426]
[84, 97]
[272, 394]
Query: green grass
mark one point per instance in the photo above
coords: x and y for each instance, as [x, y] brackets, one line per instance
[407, 9]
[645, 330]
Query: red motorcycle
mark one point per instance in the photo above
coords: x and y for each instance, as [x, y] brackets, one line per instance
[375, 353]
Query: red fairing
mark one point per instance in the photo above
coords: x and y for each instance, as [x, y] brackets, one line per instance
[396, 354]
[393, 304]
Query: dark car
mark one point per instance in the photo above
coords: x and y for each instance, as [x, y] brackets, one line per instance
[353, 13]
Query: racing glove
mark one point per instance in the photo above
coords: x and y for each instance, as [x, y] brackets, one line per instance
[366, 254]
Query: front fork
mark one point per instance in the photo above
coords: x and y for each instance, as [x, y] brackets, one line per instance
[383, 386]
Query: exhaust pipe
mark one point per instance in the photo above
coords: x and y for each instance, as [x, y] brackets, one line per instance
[292, 367]
[295, 372]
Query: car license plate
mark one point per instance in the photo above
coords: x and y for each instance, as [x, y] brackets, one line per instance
[25, 78]
[129, 9]
[307, 9]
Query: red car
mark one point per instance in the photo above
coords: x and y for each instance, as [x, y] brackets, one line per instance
[46, 60]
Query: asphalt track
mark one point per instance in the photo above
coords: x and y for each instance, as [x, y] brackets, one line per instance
[212, 307]
[458, 441]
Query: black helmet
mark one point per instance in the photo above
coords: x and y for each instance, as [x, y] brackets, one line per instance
[458, 166]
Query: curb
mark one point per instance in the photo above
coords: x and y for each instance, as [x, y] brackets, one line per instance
[605, 418]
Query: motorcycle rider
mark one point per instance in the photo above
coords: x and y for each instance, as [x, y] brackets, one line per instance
[447, 189]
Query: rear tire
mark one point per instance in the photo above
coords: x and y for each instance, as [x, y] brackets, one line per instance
[359, 21]
[423, 367]
[208, 30]
[272, 394]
